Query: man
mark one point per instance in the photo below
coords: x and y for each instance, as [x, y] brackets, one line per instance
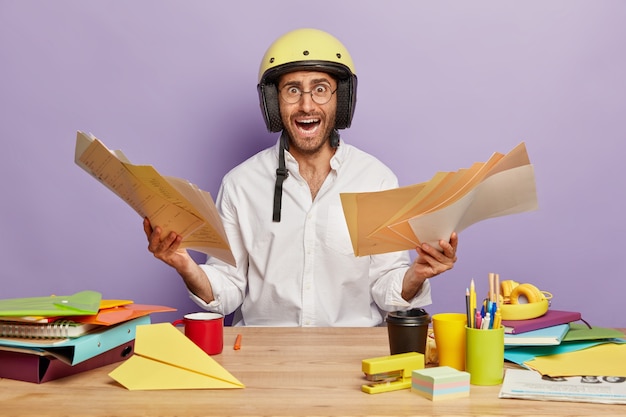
[295, 263]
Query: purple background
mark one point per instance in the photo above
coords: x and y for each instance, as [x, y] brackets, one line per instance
[441, 85]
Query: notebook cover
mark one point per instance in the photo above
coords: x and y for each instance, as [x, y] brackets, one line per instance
[542, 337]
[33, 367]
[551, 318]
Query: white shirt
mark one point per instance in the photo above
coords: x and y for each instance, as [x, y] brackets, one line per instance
[302, 271]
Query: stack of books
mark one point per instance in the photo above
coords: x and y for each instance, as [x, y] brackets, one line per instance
[47, 338]
[546, 330]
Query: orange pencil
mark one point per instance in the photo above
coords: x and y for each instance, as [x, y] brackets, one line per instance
[237, 342]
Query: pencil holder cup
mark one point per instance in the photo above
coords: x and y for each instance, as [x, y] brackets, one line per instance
[407, 331]
[484, 358]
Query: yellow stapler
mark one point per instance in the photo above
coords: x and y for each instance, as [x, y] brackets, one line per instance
[390, 373]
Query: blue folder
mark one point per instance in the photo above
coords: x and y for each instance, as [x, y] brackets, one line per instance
[79, 349]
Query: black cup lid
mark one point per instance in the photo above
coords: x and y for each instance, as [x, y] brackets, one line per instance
[416, 316]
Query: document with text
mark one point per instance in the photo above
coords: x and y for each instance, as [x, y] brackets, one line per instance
[171, 203]
[403, 218]
[531, 385]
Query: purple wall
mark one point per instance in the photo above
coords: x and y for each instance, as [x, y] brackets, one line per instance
[441, 85]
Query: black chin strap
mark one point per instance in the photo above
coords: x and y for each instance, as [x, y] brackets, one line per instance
[281, 175]
[334, 138]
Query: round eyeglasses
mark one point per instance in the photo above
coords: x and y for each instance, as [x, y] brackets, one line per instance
[320, 94]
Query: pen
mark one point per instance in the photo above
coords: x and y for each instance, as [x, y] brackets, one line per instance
[473, 302]
[486, 322]
[497, 320]
[492, 311]
[478, 320]
[237, 342]
[468, 310]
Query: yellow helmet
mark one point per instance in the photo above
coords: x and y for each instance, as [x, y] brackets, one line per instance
[313, 50]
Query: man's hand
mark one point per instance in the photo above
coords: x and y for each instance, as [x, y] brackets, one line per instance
[169, 251]
[429, 263]
[167, 248]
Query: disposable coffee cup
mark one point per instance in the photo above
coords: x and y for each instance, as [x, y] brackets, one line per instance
[407, 330]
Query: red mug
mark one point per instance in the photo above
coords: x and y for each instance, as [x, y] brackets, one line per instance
[204, 329]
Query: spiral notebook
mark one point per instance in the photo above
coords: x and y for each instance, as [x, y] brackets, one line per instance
[60, 329]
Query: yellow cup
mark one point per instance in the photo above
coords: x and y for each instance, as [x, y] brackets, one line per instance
[485, 356]
[449, 329]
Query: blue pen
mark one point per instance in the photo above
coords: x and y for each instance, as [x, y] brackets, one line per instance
[493, 309]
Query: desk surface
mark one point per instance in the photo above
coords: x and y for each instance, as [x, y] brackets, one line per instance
[287, 372]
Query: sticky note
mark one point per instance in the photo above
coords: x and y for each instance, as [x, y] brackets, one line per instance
[439, 383]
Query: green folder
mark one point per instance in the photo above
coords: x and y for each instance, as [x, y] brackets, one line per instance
[80, 304]
[579, 332]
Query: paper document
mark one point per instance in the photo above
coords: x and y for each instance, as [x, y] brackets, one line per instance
[530, 385]
[601, 359]
[170, 203]
[405, 217]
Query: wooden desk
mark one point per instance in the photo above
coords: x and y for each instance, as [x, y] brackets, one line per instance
[287, 372]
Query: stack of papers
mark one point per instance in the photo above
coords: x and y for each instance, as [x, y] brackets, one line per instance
[403, 218]
[46, 338]
[588, 365]
[171, 203]
[582, 351]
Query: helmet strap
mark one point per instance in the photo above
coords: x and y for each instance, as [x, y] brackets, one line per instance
[281, 175]
[334, 138]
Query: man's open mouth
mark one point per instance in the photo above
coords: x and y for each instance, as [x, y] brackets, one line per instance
[308, 124]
